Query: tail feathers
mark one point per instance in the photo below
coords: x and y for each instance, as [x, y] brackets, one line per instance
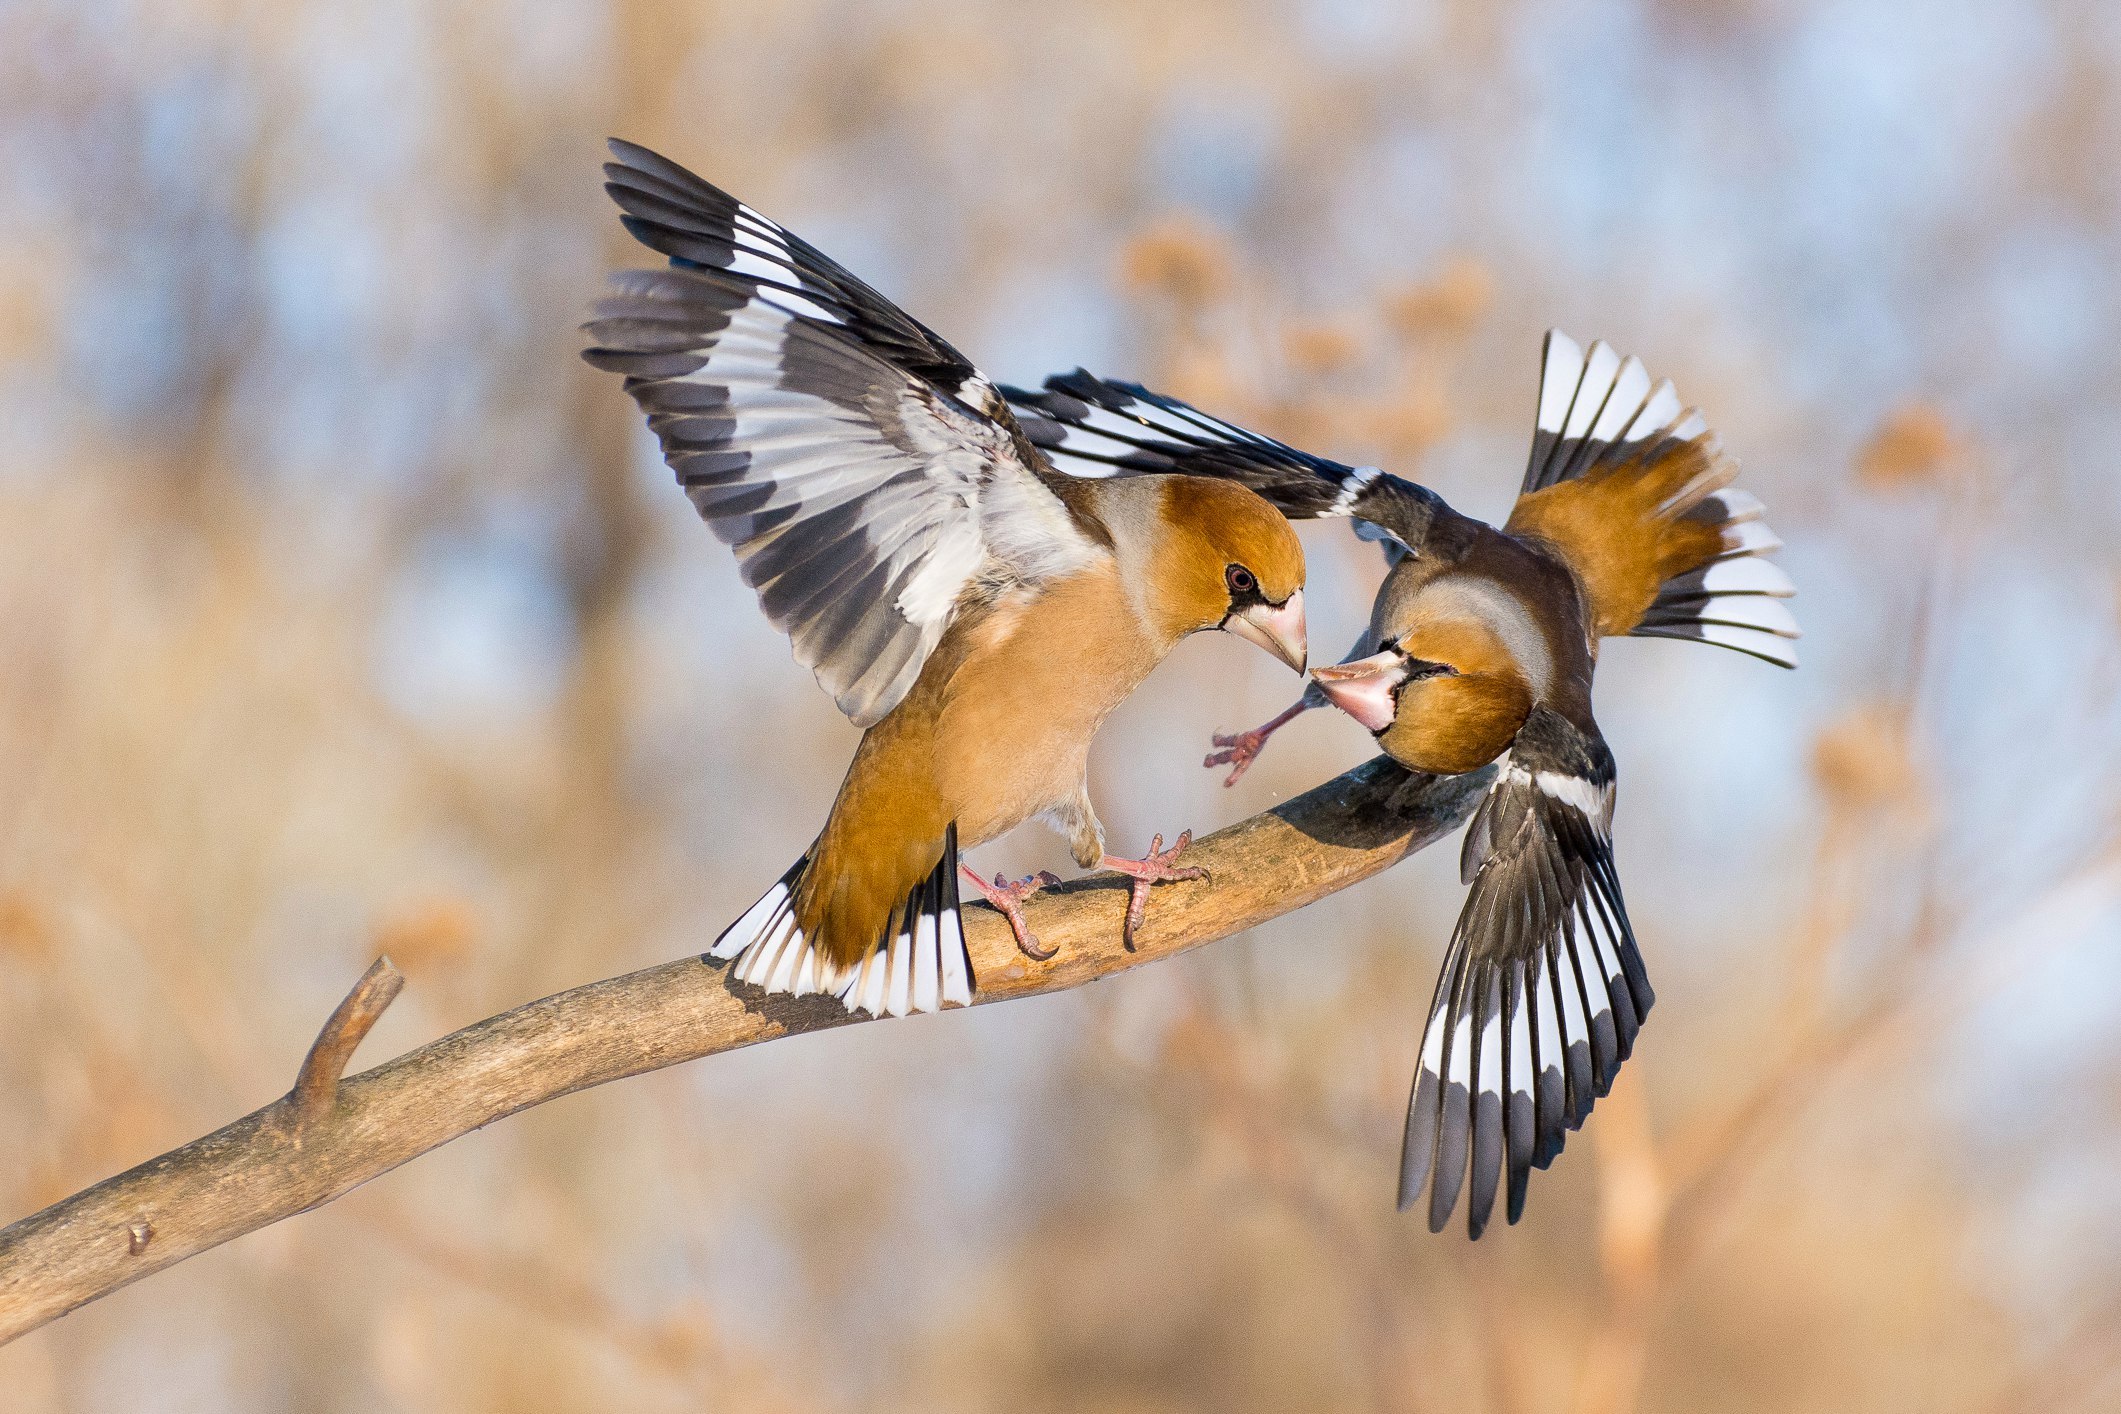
[920, 965]
[766, 933]
[923, 965]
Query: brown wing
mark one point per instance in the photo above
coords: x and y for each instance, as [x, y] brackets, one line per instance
[1634, 493]
[1614, 528]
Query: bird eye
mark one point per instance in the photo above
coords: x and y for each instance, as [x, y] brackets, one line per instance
[1240, 580]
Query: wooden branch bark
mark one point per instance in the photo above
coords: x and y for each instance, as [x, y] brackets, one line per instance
[327, 1136]
[317, 1083]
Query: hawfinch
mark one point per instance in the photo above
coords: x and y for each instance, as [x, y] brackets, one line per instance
[1480, 648]
[976, 611]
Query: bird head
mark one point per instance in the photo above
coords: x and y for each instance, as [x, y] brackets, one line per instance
[1231, 562]
[1443, 695]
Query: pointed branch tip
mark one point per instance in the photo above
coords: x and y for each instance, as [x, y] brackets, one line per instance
[318, 1083]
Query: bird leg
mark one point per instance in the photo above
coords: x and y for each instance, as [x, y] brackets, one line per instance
[1007, 899]
[1241, 749]
[1155, 867]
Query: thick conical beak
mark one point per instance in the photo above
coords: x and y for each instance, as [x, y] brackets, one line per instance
[1278, 630]
[1363, 688]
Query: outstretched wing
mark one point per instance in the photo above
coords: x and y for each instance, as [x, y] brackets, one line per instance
[1633, 489]
[1543, 990]
[1597, 408]
[1095, 426]
[865, 473]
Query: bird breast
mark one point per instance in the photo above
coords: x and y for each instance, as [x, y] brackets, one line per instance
[1036, 680]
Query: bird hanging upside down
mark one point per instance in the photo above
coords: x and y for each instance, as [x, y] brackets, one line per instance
[978, 612]
[1480, 648]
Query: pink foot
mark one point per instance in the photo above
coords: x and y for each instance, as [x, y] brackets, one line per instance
[1241, 749]
[1008, 900]
[1152, 868]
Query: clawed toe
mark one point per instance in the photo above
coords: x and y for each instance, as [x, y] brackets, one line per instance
[1008, 900]
[1239, 751]
[1155, 867]
[1158, 866]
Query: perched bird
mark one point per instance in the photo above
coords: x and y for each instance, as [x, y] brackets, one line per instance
[1480, 649]
[976, 611]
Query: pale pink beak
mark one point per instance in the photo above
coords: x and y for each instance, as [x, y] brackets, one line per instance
[1363, 688]
[1278, 630]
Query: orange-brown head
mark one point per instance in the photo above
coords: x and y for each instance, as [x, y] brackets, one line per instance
[1451, 684]
[1226, 559]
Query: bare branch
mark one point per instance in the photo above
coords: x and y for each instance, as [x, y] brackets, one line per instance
[261, 1168]
[349, 1024]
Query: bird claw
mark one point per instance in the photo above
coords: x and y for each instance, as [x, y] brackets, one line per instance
[1155, 867]
[1239, 751]
[1007, 899]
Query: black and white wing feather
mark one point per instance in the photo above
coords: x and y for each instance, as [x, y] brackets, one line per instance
[1734, 601]
[1543, 990]
[1598, 410]
[1094, 426]
[700, 226]
[865, 473]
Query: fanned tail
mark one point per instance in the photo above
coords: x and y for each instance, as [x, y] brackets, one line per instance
[920, 964]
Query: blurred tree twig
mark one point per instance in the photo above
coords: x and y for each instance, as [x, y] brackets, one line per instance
[263, 1167]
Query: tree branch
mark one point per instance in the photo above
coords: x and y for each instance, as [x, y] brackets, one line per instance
[327, 1136]
[317, 1084]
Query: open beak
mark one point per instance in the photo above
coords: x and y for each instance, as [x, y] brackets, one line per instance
[1363, 688]
[1278, 630]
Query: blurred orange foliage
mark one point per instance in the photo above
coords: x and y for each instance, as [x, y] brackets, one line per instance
[1916, 444]
[342, 611]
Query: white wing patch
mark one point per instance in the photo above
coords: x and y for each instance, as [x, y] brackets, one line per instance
[837, 445]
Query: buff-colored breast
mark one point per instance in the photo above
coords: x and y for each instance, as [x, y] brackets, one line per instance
[996, 731]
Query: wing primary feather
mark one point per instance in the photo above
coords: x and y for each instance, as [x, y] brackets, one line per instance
[1612, 982]
[834, 441]
[1490, 1078]
[1453, 1132]
[1103, 423]
[1550, 1048]
[1598, 1007]
[1425, 1106]
[1520, 1113]
[1576, 1024]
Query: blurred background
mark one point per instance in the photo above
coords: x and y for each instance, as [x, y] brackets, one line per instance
[343, 610]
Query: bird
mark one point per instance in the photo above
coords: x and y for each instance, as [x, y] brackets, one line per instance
[1480, 649]
[977, 612]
